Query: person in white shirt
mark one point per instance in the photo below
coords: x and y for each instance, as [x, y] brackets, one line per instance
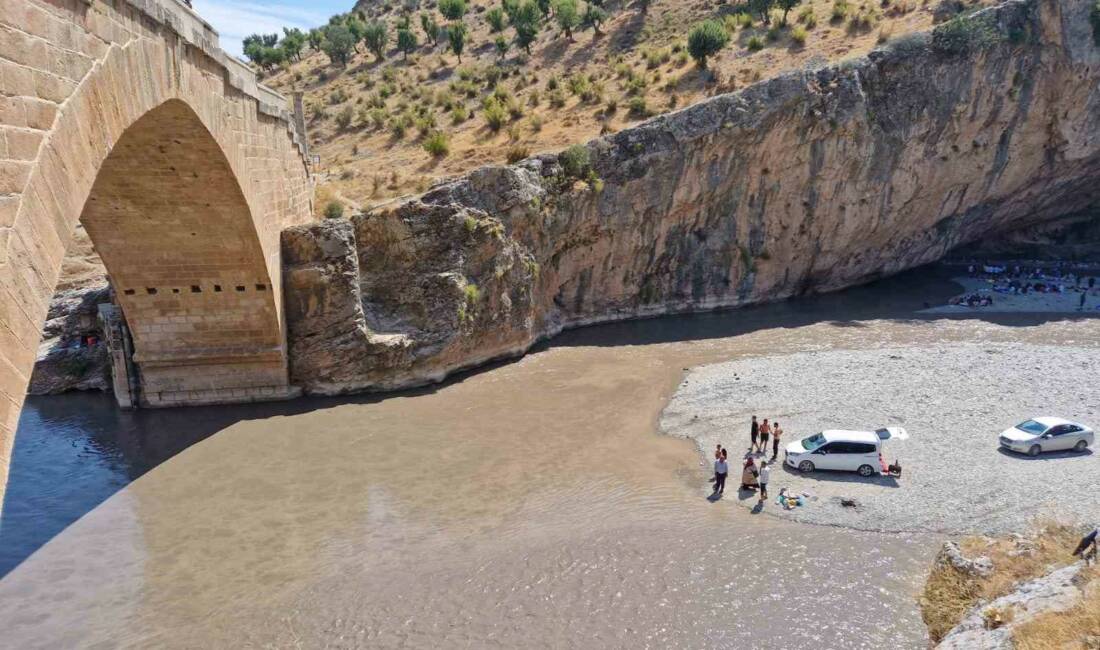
[765, 472]
[721, 471]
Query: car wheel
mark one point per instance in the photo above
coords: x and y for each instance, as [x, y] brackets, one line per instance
[1034, 451]
[805, 467]
[866, 470]
[1080, 446]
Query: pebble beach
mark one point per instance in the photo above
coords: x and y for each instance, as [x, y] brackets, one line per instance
[954, 399]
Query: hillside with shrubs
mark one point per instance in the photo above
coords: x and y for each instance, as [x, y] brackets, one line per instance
[400, 93]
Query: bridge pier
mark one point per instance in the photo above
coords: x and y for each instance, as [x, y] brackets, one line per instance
[120, 352]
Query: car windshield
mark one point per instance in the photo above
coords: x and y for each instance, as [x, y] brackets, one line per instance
[813, 442]
[1031, 426]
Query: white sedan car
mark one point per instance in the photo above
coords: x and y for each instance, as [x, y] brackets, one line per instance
[1040, 434]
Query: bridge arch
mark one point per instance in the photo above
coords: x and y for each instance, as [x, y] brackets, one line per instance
[171, 223]
[125, 114]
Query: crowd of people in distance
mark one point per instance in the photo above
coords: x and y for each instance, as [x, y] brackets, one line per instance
[753, 475]
[972, 300]
[1024, 279]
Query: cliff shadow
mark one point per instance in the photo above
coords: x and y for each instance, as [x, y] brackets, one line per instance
[899, 297]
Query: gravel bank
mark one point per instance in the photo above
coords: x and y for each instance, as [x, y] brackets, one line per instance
[953, 398]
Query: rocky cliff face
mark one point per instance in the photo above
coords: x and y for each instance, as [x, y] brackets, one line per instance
[65, 362]
[812, 181]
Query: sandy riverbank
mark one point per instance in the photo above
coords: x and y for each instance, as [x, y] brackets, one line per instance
[953, 398]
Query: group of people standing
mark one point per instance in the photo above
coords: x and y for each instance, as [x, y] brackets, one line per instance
[752, 475]
[760, 432]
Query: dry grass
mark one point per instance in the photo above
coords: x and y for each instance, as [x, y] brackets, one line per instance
[949, 594]
[1066, 630]
[638, 58]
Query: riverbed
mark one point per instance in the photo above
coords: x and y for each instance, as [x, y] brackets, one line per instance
[530, 504]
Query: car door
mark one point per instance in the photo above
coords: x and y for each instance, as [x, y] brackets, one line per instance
[1071, 437]
[1058, 438]
[869, 455]
[824, 457]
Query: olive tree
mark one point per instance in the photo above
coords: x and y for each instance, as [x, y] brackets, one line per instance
[707, 39]
[376, 36]
[338, 44]
[567, 16]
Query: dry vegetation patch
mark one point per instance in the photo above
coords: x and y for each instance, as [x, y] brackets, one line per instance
[1074, 629]
[950, 593]
[378, 122]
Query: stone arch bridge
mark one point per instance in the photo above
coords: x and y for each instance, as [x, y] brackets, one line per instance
[126, 115]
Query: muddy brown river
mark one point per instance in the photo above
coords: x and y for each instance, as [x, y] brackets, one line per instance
[530, 504]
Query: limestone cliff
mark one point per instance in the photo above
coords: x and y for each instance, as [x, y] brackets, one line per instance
[812, 181]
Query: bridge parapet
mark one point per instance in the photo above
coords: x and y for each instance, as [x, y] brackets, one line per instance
[193, 30]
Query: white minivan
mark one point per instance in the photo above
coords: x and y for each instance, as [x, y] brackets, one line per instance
[837, 449]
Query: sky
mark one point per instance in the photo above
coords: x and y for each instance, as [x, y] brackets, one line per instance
[235, 19]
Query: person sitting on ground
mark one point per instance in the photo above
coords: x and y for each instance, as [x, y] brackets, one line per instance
[748, 475]
[721, 471]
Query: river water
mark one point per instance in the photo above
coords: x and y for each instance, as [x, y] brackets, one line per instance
[530, 504]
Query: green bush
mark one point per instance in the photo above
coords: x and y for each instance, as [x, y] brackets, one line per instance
[378, 118]
[575, 161]
[459, 114]
[638, 107]
[334, 210]
[577, 83]
[343, 118]
[452, 9]
[495, 18]
[495, 115]
[399, 124]
[437, 144]
[798, 35]
[755, 44]
[707, 39]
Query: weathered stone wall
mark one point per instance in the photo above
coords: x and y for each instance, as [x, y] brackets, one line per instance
[184, 169]
[812, 181]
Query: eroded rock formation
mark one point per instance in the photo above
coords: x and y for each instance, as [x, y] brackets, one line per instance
[808, 182]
